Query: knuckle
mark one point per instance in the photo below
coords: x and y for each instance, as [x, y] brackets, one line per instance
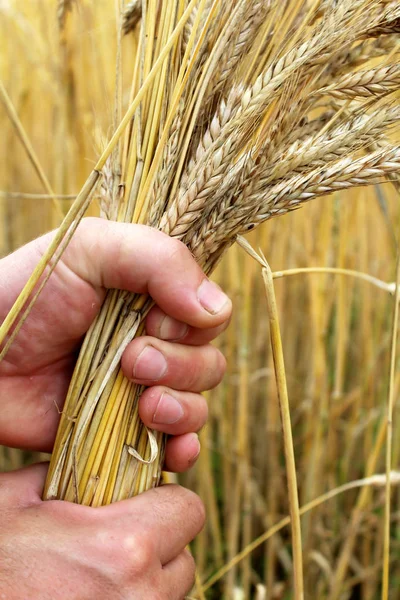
[67, 512]
[134, 553]
[184, 576]
[141, 552]
[201, 514]
[177, 251]
[196, 412]
[102, 227]
[136, 347]
[204, 368]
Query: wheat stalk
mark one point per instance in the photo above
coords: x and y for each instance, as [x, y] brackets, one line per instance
[219, 145]
[208, 210]
[63, 8]
[238, 112]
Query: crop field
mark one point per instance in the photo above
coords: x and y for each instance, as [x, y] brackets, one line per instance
[300, 461]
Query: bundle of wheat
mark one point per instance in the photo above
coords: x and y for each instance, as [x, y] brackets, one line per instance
[240, 111]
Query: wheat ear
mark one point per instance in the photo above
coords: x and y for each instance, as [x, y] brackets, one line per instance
[378, 81]
[132, 15]
[262, 203]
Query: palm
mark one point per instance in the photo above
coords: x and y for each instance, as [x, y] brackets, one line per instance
[35, 374]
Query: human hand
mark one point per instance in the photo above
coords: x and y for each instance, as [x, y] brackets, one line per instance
[35, 374]
[131, 550]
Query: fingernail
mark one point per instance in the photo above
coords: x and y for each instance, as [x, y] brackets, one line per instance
[196, 447]
[150, 365]
[168, 410]
[211, 297]
[171, 329]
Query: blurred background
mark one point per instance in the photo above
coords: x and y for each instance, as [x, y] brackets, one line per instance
[57, 63]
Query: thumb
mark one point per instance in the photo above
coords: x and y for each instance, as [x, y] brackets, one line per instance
[24, 486]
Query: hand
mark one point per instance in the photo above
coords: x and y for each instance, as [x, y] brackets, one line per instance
[131, 550]
[175, 358]
[34, 377]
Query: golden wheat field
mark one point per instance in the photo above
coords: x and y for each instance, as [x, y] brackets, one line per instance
[333, 266]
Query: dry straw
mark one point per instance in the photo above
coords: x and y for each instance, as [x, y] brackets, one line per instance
[281, 384]
[240, 111]
[64, 7]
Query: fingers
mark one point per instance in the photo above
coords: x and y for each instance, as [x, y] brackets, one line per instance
[178, 414]
[182, 451]
[134, 548]
[171, 411]
[158, 515]
[140, 259]
[164, 327]
[179, 575]
[149, 361]
[24, 487]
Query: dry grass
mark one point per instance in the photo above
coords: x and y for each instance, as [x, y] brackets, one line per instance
[281, 132]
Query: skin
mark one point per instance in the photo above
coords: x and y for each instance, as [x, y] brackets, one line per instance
[133, 549]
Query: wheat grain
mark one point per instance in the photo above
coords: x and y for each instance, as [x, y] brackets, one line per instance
[187, 31]
[389, 29]
[216, 153]
[362, 84]
[353, 134]
[166, 173]
[360, 54]
[342, 174]
[264, 201]
[253, 17]
[193, 195]
[211, 152]
[388, 22]
[132, 15]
